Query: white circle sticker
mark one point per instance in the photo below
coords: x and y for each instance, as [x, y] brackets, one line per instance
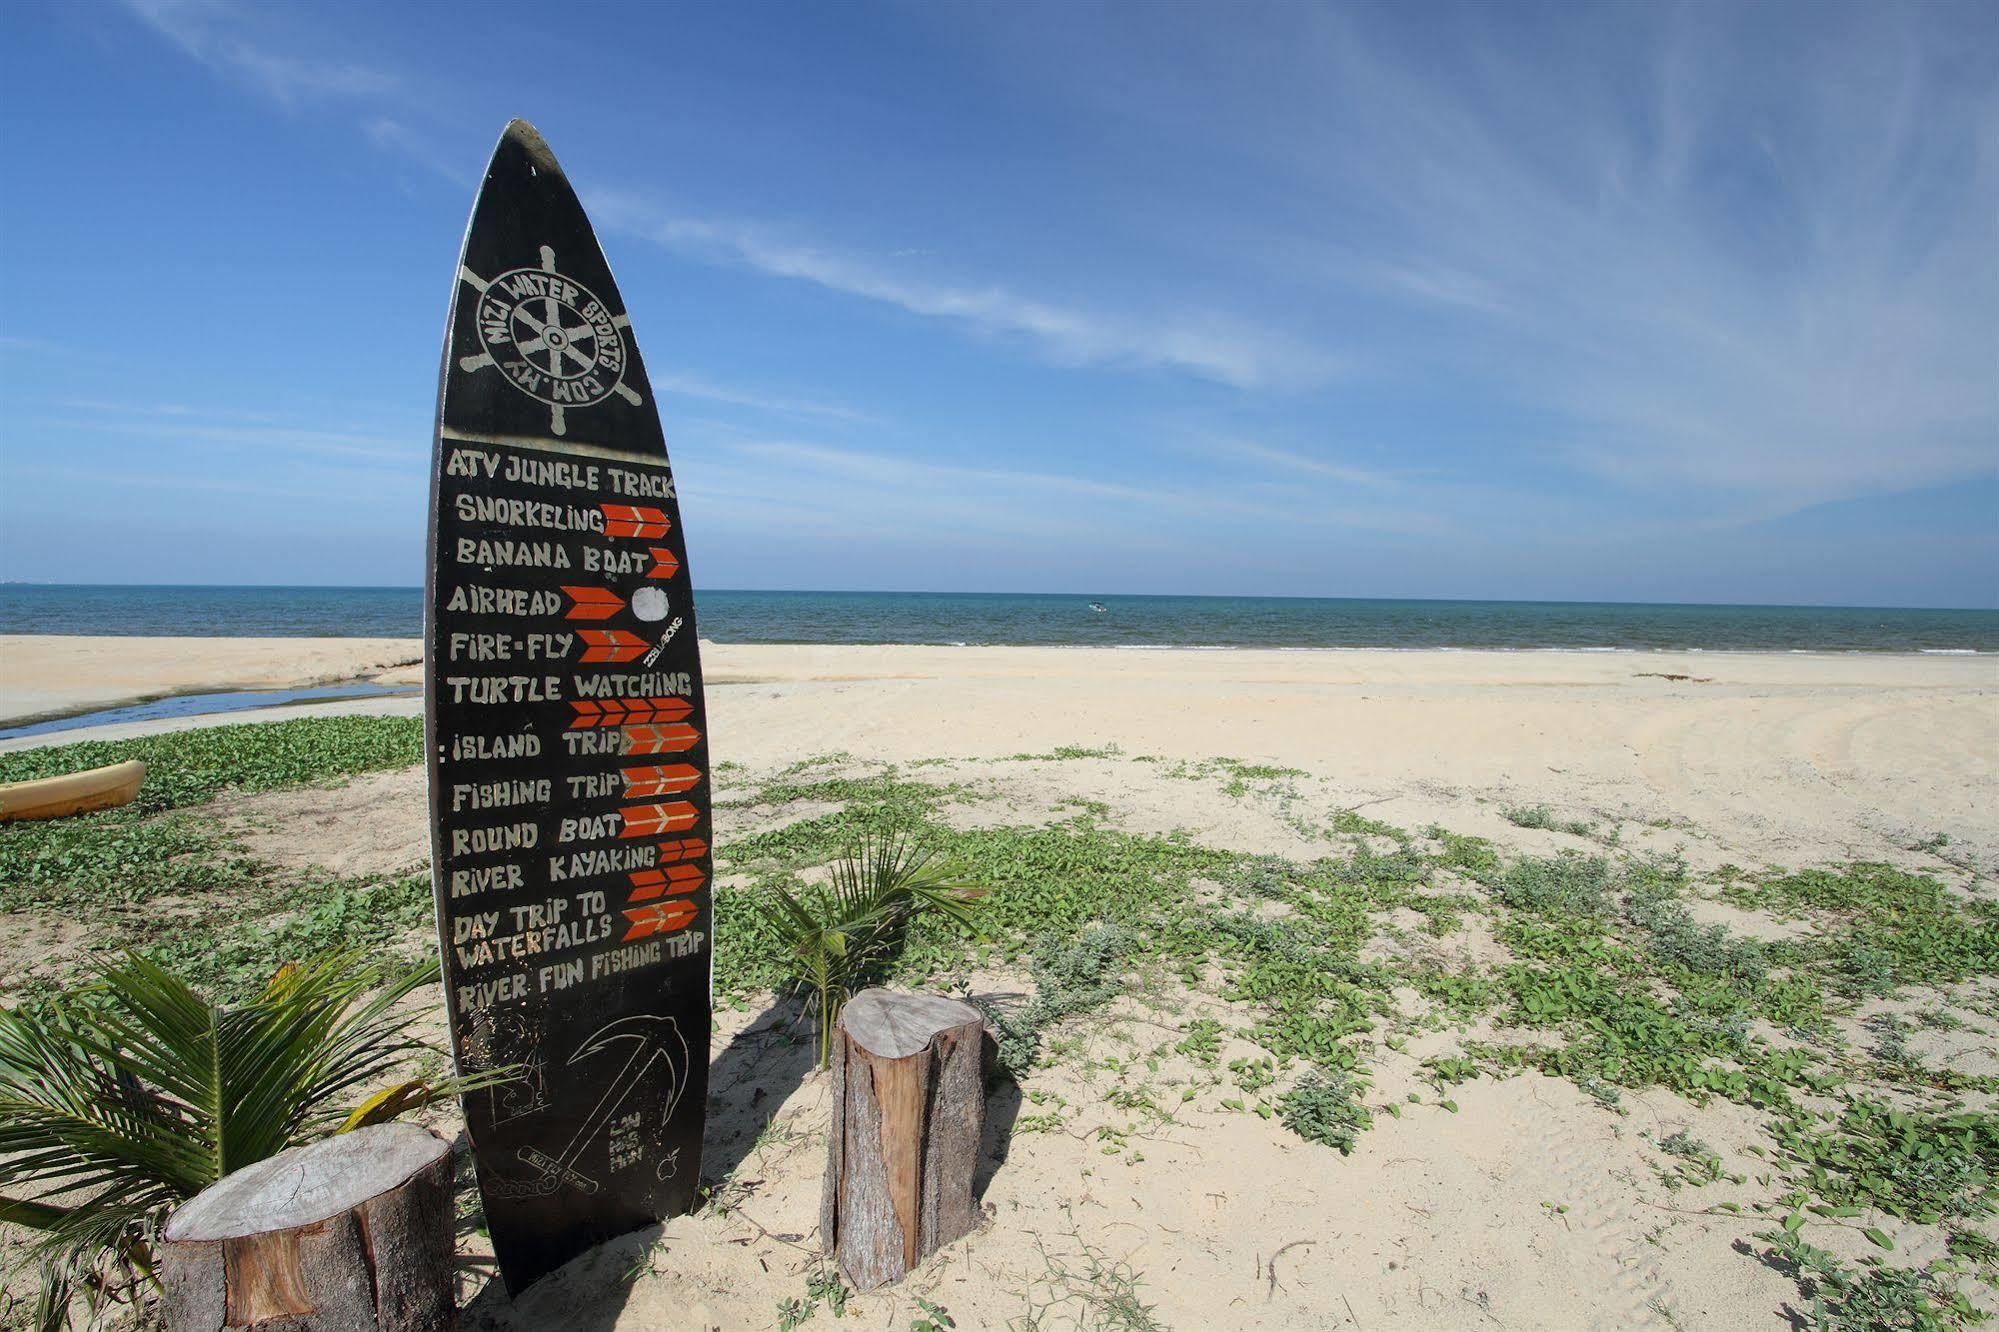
[649, 603]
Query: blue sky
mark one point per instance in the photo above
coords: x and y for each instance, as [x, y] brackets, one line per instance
[1694, 302]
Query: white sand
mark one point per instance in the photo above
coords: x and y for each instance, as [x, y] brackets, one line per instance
[1790, 754]
[1781, 755]
[1773, 756]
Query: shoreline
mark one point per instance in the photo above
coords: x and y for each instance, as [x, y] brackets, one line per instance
[220, 705]
[51, 677]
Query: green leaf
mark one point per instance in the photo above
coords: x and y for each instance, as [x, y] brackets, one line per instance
[388, 1104]
[1878, 1238]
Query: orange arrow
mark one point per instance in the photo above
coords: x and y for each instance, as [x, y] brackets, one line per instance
[611, 645]
[673, 881]
[651, 820]
[687, 848]
[621, 711]
[673, 738]
[670, 779]
[625, 520]
[660, 918]
[665, 564]
[593, 603]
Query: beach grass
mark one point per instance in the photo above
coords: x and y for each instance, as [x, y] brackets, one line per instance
[229, 919]
[192, 766]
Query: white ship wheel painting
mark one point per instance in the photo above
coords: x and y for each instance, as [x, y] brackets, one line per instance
[552, 337]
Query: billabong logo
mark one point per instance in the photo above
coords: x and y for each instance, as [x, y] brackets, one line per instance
[551, 336]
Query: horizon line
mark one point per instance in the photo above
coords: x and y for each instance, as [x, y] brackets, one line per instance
[1089, 595]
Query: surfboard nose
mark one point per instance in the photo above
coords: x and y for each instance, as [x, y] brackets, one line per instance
[528, 139]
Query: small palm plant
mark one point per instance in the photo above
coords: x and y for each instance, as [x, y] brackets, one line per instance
[844, 933]
[132, 1093]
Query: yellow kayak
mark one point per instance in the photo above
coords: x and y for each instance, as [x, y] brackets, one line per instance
[74, 793]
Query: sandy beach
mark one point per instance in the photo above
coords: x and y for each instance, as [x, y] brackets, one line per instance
[52, 675]
[1514, 1202]
[1771, 754]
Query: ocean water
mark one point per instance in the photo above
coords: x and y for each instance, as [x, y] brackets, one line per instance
[986, 618]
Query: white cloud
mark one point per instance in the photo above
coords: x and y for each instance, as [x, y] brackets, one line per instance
[1744, 253]
[178, 410]
[222, 35]
[1822, 327]
[1344, 473]
[238, 42]
[900, 474]
[311, 483]
[1213, 346]
[394, 136]
[233, 430]
[696, 386]
[888, 491]
[18, 343]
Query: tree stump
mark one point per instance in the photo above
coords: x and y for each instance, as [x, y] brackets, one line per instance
[349, 1233]
[909, 1112]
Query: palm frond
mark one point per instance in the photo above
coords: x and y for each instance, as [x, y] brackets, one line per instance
[848, 930]
[133, 1092]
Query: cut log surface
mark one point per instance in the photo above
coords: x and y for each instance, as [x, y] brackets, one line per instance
[908, 1117]
[896, 1026]
[352, 1232]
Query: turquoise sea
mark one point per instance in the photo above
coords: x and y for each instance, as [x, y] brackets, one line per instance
[982, 618]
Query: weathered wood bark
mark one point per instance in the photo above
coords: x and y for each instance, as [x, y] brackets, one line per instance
[348, 1234]
[909, 1111]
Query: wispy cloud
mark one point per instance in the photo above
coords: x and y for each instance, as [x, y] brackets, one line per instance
[263, 49]
[1299, 462]
[239, 42]
[698, 386]
[247, 45]
[947, 497]
[173, 410]
[896, 473]
[1821, 328]
[224, 427]
[1740, 252]
[1211, 345]
[16, 342]
[312, 483]
[1810, 341]
[393, 136]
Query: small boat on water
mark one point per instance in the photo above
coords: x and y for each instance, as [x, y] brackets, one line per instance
[1098, 607]
[72, 793]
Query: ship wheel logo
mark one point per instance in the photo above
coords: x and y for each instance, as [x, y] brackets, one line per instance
[551, 337]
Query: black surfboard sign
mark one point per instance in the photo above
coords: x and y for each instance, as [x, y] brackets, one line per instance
[568, 744]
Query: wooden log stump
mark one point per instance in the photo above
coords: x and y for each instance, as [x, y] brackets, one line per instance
[346, 1234]
[909, 1112]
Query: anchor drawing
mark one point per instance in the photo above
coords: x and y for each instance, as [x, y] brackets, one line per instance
[651, 1038]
